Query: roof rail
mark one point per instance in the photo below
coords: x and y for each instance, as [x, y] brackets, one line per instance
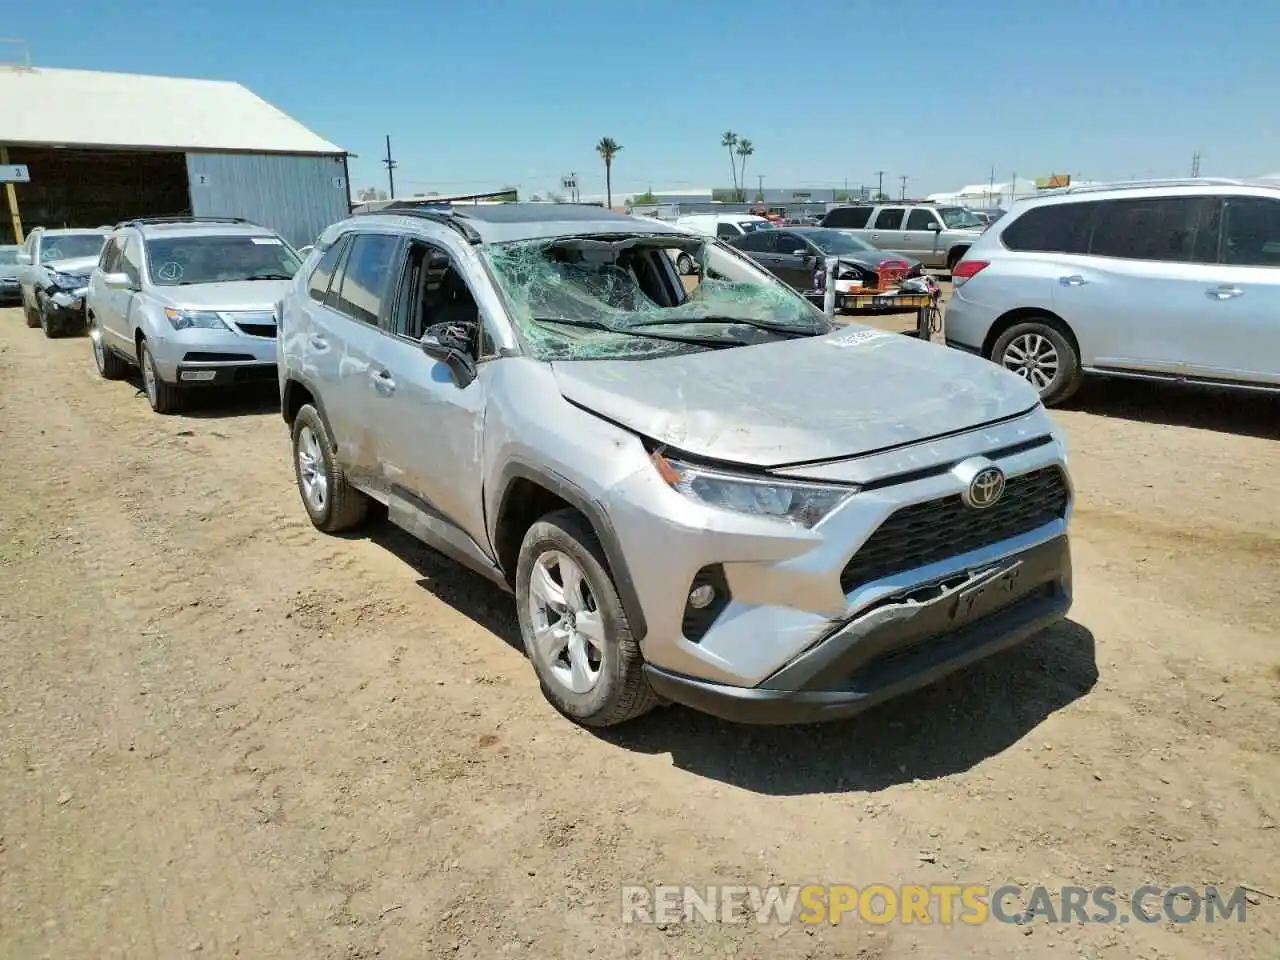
[147, 221]
[1155, 182]
[435, 216]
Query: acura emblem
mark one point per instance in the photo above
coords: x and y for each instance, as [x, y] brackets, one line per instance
[985, 488]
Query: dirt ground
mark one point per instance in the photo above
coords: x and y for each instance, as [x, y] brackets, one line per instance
[226, 734]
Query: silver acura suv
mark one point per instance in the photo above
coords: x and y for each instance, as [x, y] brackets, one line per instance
[713, 497]
[1153, 280]
[190, 301]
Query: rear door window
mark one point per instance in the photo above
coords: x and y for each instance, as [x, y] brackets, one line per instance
[889, 218]
[1162, 229]
[727, 231]
[1055, 228]
[365, 276]
[847, 218]
[757, 241]
[1251, 237]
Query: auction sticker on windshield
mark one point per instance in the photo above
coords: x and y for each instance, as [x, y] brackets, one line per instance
[272, 241]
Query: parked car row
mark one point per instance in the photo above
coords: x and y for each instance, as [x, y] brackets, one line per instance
[715, 497]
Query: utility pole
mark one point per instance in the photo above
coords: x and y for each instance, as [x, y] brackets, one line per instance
[903, 178]
[991, 187]
[1195, 164]
[760, 186]
[391, 171]
[880, 189]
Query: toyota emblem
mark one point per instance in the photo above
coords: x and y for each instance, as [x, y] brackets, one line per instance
[985, 488]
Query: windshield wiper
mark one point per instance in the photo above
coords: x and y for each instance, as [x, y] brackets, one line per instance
[269, 276]
[782, 328]
[633, 332]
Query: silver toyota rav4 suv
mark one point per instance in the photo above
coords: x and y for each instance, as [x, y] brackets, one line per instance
[712, 497]
[190, 301]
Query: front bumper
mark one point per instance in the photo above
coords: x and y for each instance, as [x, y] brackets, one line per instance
[65, 306]
[901, 644]
[197, 357]
[9, 289]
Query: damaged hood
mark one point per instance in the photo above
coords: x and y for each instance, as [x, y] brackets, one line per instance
[75, 266]
[844, 394]
[231, 295]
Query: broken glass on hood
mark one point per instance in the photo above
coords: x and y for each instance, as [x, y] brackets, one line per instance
[616, 297]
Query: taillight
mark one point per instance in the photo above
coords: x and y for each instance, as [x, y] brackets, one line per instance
[967, 270]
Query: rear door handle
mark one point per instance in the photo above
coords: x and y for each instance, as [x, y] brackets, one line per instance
[383, 382]
[1075, 280]
[1224, 293]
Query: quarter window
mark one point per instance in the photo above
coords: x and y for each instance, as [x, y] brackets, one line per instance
[1251, 237]
[1054, 228]
[921, 219]
[325, 270]
[847, 218]
[889, 218]
[1166, 229]
[364, 277]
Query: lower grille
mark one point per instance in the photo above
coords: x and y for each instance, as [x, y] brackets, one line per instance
[199, 357]
[255, 374]
[258, 329]
[936, 530]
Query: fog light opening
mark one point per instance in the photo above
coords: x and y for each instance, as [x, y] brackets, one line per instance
[702, 596]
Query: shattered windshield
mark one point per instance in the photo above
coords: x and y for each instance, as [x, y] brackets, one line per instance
[958, 218]
[71, 246]
[617, 297]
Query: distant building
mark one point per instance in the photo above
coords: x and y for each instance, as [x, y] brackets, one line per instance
[104, 147]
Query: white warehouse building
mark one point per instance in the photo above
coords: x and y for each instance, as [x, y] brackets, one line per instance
[105, 147]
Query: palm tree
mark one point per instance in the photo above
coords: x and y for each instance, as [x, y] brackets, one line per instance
[729, 141]
[608, 149]
[745, 149]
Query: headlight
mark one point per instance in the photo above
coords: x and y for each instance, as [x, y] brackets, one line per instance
[194, 319]
[803, 504]
[67, 281]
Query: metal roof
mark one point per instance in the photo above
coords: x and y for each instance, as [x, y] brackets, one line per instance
[83, 108]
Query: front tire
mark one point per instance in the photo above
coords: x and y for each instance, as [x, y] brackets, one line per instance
[574, 627]
[52, 328]
[164, 397]
[110, 366]
[1039, 352]
[30, 316]
[330, 501]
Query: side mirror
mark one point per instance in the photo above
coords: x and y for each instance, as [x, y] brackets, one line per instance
[802, 252]
[117, 281]
[935, 226]
[24, 258]
[458, 360]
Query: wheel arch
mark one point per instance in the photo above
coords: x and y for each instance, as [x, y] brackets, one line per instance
[1023, 315]
[528, 492]
[297, 393]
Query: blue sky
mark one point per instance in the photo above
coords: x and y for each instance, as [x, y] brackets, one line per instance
[483, 93]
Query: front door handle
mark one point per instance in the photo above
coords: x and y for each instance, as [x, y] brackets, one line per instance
[318, 342]
[1075, 280]
[1224, 293]
[383, 382]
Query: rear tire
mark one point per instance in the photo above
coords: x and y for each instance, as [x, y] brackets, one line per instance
[165, 398]
[586, 643]
[330, 501]
[1042, 354]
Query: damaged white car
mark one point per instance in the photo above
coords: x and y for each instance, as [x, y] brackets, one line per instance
[715, 497]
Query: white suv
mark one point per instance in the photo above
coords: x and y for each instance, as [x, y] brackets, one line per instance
[1162, 280]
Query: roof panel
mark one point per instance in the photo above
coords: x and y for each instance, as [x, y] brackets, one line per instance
[86, 108]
